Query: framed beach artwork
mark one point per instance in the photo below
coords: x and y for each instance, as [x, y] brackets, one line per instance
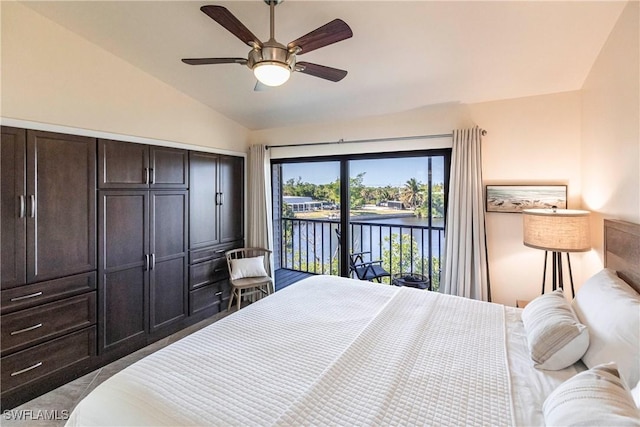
[515, 198]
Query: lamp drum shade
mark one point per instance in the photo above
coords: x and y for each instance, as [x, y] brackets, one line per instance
[557, 230]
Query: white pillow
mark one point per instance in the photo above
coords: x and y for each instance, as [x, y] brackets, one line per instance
[610, 308]
[596, 397]
[247, 267]
[555, 337]
[635, 392]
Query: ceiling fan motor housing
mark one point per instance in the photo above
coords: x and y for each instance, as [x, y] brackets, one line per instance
[272, 52]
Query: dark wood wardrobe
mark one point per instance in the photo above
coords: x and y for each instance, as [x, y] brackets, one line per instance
[107, 246]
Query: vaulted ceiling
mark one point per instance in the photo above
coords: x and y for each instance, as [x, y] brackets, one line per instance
[403, 54]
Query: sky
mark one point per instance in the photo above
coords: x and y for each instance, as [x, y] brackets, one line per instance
[378, 172]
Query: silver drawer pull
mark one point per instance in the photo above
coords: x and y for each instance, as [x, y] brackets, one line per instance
[22, 371]
[22, 206]
[221, 251]
[32, 197]
[30, 328]
[37, 294]
[218, 294]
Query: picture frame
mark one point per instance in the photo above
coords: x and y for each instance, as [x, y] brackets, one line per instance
[516, 198]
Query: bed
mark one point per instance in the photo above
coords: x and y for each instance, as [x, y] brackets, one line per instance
[336, 351]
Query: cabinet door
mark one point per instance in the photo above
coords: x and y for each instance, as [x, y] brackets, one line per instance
[13, 206]
[231, 198]
[168, 167]
[122, 274]
[122, 164]
[168, 268]
[203, 211]
[61, 205]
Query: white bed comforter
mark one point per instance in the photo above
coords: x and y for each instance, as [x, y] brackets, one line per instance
[325, 351]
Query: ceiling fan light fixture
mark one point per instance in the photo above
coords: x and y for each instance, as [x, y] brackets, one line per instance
[272, 73]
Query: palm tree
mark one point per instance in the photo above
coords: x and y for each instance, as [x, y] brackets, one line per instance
[410, 194]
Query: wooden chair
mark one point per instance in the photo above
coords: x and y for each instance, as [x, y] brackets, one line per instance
[249, 273]
[365, 270]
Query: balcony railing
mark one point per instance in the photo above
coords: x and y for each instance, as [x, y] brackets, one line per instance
[312, 245]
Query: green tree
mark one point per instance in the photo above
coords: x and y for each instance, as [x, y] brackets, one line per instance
[287, 211]
[367, 194]
[356, 188]
[404, 258]
[400, 257]
[384, 194]
[315, 265]
[437, 201]
[333, 191]
[411, 194]
[299, 188]
[287, 228]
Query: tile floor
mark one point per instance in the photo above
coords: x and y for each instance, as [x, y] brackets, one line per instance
[65, 398]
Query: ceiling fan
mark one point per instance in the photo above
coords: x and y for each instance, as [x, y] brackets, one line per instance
[272, 62]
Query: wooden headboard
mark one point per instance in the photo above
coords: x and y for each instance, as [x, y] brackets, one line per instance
[622, 250]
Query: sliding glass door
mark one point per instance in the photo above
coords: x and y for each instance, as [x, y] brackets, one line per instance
[306, 216]
[396, 214]
[390, 208]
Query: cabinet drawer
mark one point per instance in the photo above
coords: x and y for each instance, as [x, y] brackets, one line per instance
[207, 272]
[206, 297]
[211, 252]
[24, 367]
[25, 327]
[28, 296]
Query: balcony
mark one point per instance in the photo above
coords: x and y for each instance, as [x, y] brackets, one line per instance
[404, 245]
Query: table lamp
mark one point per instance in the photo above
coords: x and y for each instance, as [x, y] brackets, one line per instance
[557, 231]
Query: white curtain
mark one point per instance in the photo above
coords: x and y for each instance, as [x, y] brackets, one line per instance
[466, 271]
[259, 224]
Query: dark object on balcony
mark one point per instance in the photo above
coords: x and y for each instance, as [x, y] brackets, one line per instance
[413, 280]
[365, 270]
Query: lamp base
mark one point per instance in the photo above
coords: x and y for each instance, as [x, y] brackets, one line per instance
[557, 272]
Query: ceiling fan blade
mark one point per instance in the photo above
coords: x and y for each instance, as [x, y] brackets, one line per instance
[225, 18]
[207, 61]
[333, 32]
[327, 73]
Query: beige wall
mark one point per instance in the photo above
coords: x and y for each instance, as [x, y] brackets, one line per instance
[611, 131]
[52, 76]
[424, 121]
[529, 140]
